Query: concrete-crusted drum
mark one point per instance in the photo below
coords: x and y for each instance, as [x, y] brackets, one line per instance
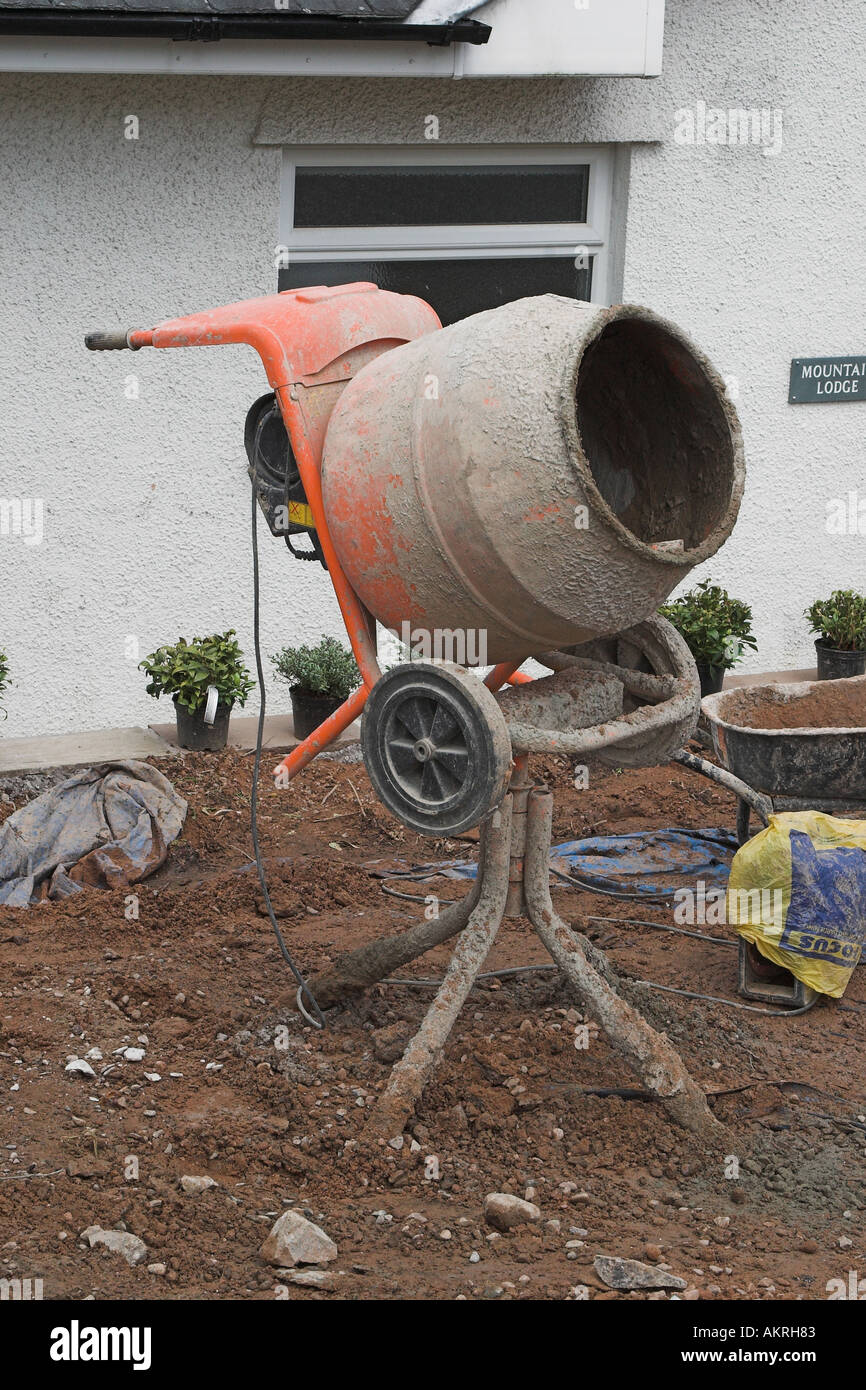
[539, 474]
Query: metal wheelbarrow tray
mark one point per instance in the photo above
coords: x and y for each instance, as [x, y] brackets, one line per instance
[801, 766]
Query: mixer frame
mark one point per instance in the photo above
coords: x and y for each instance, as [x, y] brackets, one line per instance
[312, 342]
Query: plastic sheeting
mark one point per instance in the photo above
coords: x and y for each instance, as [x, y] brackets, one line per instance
[107, 826]
[797, 891]
[646, 863]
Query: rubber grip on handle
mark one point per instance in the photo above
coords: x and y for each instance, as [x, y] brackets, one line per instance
[112, 341]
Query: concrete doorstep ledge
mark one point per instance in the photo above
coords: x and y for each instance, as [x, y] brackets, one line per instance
[279, 733]
[79, 750]
[157, 741]
[160, 740]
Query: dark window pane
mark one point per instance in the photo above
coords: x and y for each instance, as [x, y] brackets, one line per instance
[454, 288]
[408, 196]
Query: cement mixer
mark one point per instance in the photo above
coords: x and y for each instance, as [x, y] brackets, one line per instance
[540, 476]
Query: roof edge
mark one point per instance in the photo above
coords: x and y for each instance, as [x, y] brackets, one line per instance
[211, 28]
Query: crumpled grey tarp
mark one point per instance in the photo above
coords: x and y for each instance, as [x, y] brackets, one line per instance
[107, 826]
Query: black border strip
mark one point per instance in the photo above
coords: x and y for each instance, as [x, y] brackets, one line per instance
[210, 28]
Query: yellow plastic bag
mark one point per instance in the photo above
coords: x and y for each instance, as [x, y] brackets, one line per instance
[797, 891]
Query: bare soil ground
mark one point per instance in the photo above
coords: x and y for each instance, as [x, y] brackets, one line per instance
[197, 982]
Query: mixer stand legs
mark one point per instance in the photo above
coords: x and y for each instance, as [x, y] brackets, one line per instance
[585, 968]
[409, 1076]
[359, 969]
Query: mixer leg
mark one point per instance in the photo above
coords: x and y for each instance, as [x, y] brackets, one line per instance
[411, 1073]
[655, 1061]
[366, 966]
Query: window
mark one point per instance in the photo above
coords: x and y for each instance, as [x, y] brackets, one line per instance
[466, 229]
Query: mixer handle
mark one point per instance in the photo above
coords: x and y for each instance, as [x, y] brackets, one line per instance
[110, 340]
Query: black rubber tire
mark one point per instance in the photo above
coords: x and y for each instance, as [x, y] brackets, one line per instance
[436, 747]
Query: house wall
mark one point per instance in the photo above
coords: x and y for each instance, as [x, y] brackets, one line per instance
[146, 526]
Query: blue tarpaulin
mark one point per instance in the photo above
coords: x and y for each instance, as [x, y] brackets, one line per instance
[649, 863]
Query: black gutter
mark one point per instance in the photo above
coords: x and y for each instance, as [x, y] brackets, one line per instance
[209, 28]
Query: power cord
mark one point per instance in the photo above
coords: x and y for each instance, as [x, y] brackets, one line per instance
[317, 1018]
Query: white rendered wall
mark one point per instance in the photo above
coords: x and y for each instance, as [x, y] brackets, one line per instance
[146, 520]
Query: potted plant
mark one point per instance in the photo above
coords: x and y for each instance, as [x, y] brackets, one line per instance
[716, 627]
[321, 679]
[840, 622]
[189, 672]
[4, 678]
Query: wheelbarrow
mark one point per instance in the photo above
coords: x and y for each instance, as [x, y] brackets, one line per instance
[538, 477]
[777, 752]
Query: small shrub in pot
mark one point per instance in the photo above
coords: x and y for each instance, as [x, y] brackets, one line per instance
[186, 671]
[840, 622]
[322, 677]
[717, 630]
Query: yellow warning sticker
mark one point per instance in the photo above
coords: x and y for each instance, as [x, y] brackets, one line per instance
[300, 514]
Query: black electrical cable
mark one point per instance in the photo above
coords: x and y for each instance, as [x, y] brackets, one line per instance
[653, 899]
[303, 988]
[427, 983]
[434, 983]
[663, 926]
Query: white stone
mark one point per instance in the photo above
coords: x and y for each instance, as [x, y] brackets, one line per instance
[503, 1211]
[618, 1273]
[78, 1064]
[193, 1185]
[131, 1247]
[310, 1278]
[296, 1241]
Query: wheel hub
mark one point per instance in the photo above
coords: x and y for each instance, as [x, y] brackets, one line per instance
[436, 747]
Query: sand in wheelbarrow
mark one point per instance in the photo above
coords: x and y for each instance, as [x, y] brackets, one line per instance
[839, 707]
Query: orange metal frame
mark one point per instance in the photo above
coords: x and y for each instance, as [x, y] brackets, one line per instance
[311, 342]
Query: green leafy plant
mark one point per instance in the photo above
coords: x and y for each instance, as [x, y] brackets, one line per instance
[184, 670]
[4, 677]
[328, 668]
[716, 627]
[840, 620]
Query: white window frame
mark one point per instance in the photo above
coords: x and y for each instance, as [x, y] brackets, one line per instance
[481, 240]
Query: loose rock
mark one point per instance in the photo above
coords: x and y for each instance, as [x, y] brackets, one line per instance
[632, 1274]
[133, 1249]
[194, 1185]
[311, 1278]
[296, 1241]
[79, 1065]
[503, 1211]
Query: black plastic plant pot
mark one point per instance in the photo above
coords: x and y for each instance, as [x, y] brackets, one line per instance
[712, 678]
[195, 734]
[836, 665]
[308, 711]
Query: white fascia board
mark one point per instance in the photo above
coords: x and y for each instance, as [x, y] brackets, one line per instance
[242, 57]
[541, 38]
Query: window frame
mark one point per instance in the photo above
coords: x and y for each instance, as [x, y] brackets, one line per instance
[468, 241]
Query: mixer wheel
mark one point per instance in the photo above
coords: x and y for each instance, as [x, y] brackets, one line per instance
[436, 747]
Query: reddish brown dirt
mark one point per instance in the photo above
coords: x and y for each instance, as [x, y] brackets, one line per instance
[832, 708]
[198, 982]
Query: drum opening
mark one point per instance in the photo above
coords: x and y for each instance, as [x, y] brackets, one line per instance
[656, 434]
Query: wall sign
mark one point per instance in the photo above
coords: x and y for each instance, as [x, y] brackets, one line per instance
[820, 380]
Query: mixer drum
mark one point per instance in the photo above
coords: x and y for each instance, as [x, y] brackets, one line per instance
[537, 475]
